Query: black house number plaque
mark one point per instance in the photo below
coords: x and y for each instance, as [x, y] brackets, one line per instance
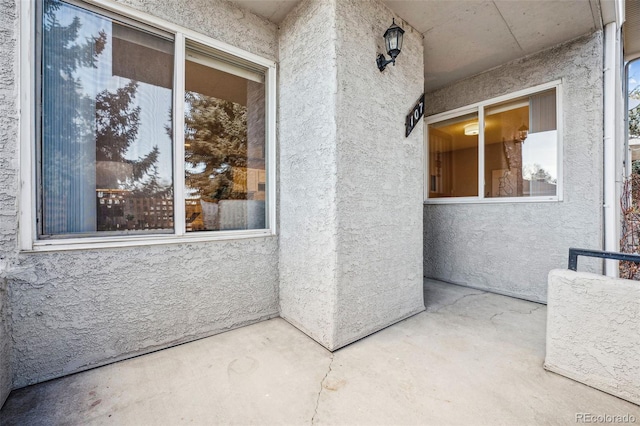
[414, 116]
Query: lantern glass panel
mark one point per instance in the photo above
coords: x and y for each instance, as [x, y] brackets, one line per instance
[392, 40]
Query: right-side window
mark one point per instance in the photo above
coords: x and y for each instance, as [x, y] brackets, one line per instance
[502, 148]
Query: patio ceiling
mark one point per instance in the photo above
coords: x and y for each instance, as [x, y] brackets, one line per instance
[465, 37]
[273, 10]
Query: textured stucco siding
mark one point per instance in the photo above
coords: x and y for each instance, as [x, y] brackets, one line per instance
[307, 134]
[5, 343]
[75, 310]
[8, 176]
[218, 19]
[511, 247]
[379, 183]
[593, 331]
[351, 204]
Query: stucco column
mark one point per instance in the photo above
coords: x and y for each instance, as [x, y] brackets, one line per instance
[350, 182]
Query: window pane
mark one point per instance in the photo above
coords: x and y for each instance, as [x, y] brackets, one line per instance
[453, 157]
[106, 125]
[521, 147]
[225, 175]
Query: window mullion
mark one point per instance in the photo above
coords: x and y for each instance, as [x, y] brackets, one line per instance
[559, 145]
[271, 109]
[481, 173]
[178, 136]
[426, 178]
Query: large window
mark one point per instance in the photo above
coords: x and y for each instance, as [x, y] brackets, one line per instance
[505, 148]
[144, 130]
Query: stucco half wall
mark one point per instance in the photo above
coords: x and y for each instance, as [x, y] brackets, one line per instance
[593, 331]
[510, 248]
[75, 310]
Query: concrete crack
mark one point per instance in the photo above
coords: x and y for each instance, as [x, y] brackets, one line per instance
[495, 315]
[315, 411]
[533, 310]
[515, 312]
[457, 300]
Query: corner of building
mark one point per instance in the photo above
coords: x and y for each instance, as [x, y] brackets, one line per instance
[350, 181]
[509, 248]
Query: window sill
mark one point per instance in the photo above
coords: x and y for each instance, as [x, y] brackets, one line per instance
[505, 200]
[137, 241]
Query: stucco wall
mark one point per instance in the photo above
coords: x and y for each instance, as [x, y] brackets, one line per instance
[593, 331]
[76, 310]
[379, 181]
[218, 19]
[8, 176]
[351, 235]
[307, 135]
[507, 247]
[5, 343]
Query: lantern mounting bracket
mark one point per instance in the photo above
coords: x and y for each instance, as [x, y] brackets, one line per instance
[383, 62]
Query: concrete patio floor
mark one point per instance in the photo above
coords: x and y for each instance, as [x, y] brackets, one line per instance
[472, 358]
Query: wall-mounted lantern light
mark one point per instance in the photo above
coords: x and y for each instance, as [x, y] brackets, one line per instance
[393, 41]
[523, 133]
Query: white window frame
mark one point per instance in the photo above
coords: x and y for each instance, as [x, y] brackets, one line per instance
[478, 108]
[27, 228]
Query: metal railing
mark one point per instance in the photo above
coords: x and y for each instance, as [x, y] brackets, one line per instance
[574, 253]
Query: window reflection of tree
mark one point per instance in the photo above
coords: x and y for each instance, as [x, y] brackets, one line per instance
[216, 146]
[74, 122]
[67, 122]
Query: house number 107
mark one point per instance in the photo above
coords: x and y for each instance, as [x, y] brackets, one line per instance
[414, 116]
